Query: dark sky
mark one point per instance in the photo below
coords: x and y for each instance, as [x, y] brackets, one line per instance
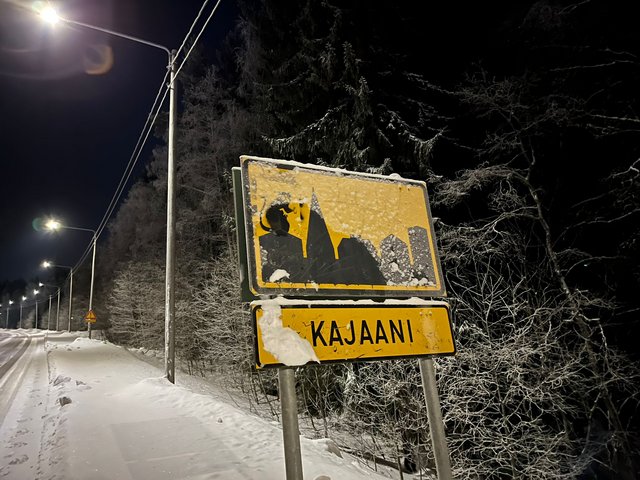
[67, 135]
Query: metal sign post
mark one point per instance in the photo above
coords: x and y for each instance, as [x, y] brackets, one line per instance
[290, 430]
[434, 415]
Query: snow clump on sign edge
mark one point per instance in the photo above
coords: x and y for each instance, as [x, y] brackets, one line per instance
[283, 342]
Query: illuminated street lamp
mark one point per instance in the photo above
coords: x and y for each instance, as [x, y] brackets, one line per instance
[21, 304]
[35, 295]
[52, 17]
[8, 309]
[49, 15]
[58, 308]
[47, 264]
[54, 225]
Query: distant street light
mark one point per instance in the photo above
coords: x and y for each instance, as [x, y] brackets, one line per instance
[47, 264]
[49, 314]
[54, 225]
[50, 297]
[21, 303]
[8, 309]
[52, 17]
[35, 295]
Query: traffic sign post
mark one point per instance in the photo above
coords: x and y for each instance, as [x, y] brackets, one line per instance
[90, 317]
[318, 234]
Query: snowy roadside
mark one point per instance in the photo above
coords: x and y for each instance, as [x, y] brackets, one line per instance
[105, 414]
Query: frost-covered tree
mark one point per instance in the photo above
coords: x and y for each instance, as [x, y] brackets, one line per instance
[335, 90]
[136, 305]
[524, 275]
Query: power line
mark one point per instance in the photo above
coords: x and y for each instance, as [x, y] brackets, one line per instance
[206, 23]
[146, 130]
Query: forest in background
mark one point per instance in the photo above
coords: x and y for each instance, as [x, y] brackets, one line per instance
[522, 119]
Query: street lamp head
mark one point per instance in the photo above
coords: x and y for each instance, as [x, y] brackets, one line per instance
[35, 292]
[53, 225]
[49, 15]
[10, 302]
[24, 298]
[40, 284]
[46, 264]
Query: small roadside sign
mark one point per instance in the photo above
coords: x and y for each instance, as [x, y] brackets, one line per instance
[339, 332]
[90, 317]
[318, 232]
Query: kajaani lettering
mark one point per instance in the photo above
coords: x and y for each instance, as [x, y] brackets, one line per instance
[383, 331]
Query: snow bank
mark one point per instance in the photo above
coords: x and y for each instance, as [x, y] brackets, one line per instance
[121, 418]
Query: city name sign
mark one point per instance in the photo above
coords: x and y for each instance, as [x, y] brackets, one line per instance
[342, 332]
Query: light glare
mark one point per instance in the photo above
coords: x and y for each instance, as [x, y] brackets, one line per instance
[49, 15]
[46, 264]
[52, 225]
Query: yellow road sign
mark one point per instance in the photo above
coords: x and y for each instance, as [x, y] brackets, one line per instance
[325, 232]
[343, 332]
[90, 317]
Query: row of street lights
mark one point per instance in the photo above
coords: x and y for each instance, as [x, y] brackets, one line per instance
[24, 298]
[55, 225]
[49, 15]
[47, 264]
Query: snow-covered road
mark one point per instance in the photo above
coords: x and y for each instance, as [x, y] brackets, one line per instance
[23, 403]
[87, 409]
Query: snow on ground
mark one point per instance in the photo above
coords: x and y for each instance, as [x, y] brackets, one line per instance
[90, 410]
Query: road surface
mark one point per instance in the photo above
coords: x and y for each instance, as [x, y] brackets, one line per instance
[23, 378]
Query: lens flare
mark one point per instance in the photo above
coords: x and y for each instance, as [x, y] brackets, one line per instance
[49, 15]
[98, 59]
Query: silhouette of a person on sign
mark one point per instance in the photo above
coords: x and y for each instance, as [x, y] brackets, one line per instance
[283, 259]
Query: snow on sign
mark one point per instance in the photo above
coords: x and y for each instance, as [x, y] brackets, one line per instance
[318, 231]
[298, 333]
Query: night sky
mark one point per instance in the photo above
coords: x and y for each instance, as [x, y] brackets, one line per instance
[67, 135]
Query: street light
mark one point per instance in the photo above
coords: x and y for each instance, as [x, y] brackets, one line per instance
[40, 284]
[21, 303]
[47, 264]
[54, 225]
[51, 16]
[8, 309]
[35, 295]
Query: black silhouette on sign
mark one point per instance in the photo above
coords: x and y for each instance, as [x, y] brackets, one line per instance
[282, 251]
